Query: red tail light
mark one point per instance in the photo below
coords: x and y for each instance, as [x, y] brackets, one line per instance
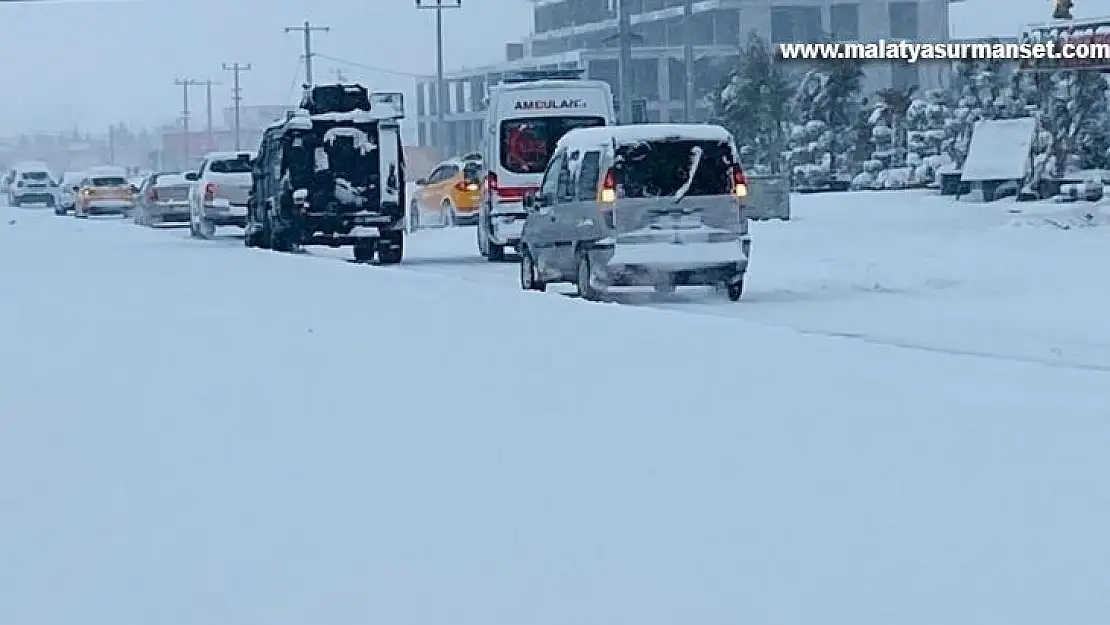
[210, 191]
[491, 182]
[609, 187]
[739, 182]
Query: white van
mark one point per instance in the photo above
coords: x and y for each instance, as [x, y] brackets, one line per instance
[527, 115]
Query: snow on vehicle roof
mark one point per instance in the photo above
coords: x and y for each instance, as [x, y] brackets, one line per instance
[107, 170]
[171, 180]
[29, 166]
[533, 85]
[585, 138]
[228, 156]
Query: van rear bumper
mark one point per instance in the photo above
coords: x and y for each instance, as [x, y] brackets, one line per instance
[682, 265]
[506, 227]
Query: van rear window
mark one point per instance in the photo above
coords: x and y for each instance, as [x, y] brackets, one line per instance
[35, 175]
[661, 167]
[240, 165]
[527, 144]
[109, 181]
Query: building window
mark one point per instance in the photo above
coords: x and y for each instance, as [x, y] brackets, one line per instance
[844, 22]
[433, 134]
[676, 73]
[796, 24]
[634, 7]
[654, 34]
[904, 75]
[447, 110]
[726, 27]
[607, 70]
[652, 5]
[903, 20]
[478, 93]
[420, 98]
[645, 78]
[421, 134]
[467, 143]
[433, 97]
[460, 96]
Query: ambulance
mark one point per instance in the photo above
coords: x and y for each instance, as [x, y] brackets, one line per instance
[527, 113]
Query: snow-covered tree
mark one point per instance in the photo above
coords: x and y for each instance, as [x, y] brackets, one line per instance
[824, 137]
[753, 103]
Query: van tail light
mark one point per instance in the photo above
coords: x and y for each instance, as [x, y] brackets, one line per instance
[491, 183]
[609, 187]
[608, 198]
[210, 191]
[739, 182]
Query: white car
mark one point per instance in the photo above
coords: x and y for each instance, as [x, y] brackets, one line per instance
[32, 183]
[67, 191]
[219, 193]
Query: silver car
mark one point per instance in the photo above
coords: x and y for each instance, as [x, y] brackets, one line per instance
[163, 198]
[659, 205]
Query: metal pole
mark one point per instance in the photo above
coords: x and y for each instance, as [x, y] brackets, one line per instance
[688, 59]
[443, 137]
[308, 55]
[624, 63]
[185, 84]
[237, 96]
[112, 144]
[308, 29]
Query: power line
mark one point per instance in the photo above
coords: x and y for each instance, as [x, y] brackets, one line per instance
[237, 94]
[373, 68]
[308, 29]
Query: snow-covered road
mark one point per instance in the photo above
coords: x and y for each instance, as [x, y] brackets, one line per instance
[196, 433]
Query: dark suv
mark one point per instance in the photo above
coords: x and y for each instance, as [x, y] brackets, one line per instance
[332, 173]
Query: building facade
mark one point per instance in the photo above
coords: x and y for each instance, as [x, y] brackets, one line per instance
[581, 34]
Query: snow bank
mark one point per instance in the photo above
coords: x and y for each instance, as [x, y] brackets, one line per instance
[170, 455]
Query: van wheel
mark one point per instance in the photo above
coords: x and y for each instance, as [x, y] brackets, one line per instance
[364, 251]
[583, 280]
[447, 214]
[735, 289]
[529, 276]
[414, 215]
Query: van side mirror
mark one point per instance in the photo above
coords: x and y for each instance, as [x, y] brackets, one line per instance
[529, 201]
[421, 182]
[134, 189]
[191, 176]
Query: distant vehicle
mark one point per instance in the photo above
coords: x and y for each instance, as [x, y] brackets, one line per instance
[640, 205]
[104, 191]
[32, 183]
[527, 115]
[332, 173]
[219, 194]
[451, 192]
[67, 191]
[163, 198]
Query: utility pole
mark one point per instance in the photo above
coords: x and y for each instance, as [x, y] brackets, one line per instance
[210, 131]
[237, 94]
[185, 83]
[441, 85]
[625, 79]
[308, 29]
[112, 144]
[688, 59]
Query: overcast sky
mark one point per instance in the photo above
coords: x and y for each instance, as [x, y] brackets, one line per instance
[88, 62]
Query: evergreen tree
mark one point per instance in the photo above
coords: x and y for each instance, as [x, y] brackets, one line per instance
[753, 103]
[826, 104]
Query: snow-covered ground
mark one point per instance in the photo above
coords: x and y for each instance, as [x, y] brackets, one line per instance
[196, 433]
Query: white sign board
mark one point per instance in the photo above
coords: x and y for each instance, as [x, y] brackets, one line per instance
[999, 149]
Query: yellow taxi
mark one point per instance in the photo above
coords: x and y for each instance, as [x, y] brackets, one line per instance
[449, 194]
[104, 191]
